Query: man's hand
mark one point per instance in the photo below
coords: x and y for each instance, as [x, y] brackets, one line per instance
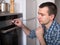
[40, 35]
[39, 31]
[17, 22]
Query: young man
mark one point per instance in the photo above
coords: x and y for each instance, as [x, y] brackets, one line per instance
[48, 32]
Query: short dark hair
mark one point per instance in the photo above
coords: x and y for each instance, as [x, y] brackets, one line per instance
[51, 6]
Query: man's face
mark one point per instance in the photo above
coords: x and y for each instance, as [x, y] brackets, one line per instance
[43, 16]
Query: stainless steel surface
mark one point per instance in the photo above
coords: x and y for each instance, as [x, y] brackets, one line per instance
[5, 7]
[0, 7]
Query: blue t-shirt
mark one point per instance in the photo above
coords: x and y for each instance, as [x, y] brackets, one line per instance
[51, 36]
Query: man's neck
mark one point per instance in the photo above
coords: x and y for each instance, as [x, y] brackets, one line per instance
[48, 25]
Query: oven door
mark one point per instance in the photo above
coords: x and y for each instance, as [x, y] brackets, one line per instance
[11, 35]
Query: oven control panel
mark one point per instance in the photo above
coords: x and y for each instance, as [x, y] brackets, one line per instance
[6, 18]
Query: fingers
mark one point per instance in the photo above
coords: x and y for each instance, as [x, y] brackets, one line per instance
[15, 21]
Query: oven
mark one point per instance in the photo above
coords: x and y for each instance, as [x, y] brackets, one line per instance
[10, 34]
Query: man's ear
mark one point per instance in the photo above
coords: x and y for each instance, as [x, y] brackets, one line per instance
[51, 16]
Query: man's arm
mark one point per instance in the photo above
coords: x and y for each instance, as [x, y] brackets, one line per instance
[26, 30]
[39, 34]
[19, 23]
[41, 40]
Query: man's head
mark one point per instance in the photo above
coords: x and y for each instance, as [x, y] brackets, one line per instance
[47, 12]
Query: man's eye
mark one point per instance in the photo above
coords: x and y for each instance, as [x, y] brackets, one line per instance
[42, 14]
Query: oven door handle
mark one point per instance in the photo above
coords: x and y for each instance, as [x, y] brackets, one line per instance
[8, 30]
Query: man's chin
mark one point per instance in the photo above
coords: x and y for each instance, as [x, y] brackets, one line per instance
[40, 22]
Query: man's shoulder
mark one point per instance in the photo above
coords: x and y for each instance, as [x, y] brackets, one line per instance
[57, 26]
